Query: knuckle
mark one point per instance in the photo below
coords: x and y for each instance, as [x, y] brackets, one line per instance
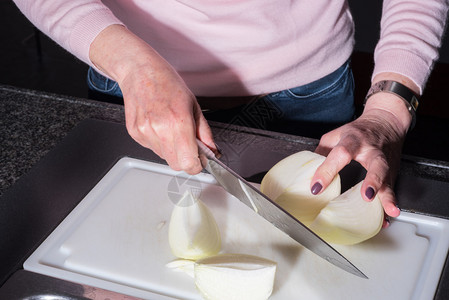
[135, 133]
[376, 180]
[381, 165]
[190, 165]
[325, 137]
[173, 162]
[382, 161]
[341, 155]
[131, 128]
[378, 175]
[342, 152]
[328, 175]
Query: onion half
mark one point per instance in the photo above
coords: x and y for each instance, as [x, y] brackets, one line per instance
[339, 219]
[288, 184]
[348, 219]
[193, 232]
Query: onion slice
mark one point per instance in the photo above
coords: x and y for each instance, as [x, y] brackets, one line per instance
[235, 276]
[182, 265]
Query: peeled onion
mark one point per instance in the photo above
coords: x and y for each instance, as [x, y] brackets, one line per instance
[194, 235]
[288, 183]
[235, 277]
[348, 219]
[340, 219]
[193, 232]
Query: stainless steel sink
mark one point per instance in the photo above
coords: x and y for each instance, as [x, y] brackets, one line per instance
[25, 285]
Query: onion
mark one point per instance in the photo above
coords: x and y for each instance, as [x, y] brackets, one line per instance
[349, 219]
[339, 219]
[288, 183]
[235, 276]
[194, 235]
[182, 265]
[193, 232]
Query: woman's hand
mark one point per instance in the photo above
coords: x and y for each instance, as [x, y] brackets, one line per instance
[374, 140]
[161, 112]
[163, 115]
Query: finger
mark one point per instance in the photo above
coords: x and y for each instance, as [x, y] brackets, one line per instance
[337, 159]
[386, 222]
[328, 141]
[388, 200]
[181, 154]
[376, 176]
[188, 159]
[204, 133]
[150, 132]
[140, 130]
[187, 147]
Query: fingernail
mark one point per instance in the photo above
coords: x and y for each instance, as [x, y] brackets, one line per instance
[369, 193]
[219, 153]
[316, 188]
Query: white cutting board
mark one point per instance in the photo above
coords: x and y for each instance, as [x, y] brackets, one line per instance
[117, 239]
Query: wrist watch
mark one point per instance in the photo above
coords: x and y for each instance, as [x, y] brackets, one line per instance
[407, 95]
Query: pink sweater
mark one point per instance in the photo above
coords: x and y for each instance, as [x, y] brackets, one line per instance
[235, 47]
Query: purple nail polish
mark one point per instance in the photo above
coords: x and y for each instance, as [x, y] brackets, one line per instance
[316, 188]
[369, 193]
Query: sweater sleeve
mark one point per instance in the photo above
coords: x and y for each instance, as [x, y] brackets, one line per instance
[71, 24]
[411, 34]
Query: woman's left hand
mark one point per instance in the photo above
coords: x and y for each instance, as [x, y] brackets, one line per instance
[374, 140]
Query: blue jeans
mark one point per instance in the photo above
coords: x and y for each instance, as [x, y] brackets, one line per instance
[326, 100]
[102, 85]
[308, 110]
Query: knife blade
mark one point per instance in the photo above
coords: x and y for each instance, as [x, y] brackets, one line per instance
[272, 212]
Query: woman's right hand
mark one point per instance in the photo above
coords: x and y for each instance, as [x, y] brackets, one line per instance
[161, 112]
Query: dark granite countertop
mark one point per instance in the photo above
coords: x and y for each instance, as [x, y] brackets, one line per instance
[33, 123]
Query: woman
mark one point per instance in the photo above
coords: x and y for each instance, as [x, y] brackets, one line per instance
[162, 55]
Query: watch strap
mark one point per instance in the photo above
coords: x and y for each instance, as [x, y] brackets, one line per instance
[407, 95]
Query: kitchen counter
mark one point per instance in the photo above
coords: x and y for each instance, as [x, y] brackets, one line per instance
[33, 122]
[33, 132]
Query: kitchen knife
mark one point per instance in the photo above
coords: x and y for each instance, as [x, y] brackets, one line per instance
[272, 212]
